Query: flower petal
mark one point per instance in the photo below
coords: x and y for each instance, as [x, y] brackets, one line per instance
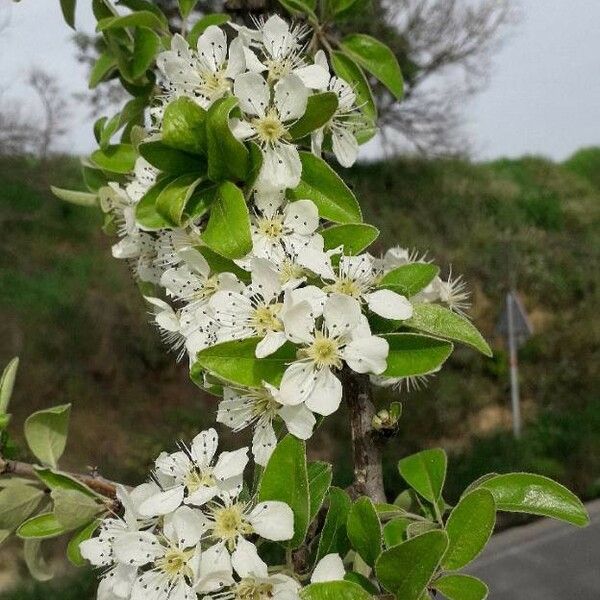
[231, 464]
[367, 355]
[345, 146]
[314, 76]
[277, 38]
[270, 343]
[390, 305]
[342, 314]
[137, 548]
[215, 569]
[329, 568]
[302, 217]
[212, 48]
[299, 322]
[252, 91]
[291, 97]
[299, 420]
[281, 168]
[326, 395]
[273, 521]
[204, 447]
[263, 442]
[163, 503]
[246, 561]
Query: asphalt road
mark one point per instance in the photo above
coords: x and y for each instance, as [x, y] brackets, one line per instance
[546, 560]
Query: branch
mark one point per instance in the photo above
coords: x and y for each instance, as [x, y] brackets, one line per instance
[93, 481]
[366, 448]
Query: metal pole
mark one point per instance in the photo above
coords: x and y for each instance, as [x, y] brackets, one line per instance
[514, 367]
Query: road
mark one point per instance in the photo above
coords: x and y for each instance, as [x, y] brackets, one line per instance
[546, 560]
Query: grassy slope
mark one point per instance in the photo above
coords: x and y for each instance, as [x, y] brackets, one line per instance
[74, 316]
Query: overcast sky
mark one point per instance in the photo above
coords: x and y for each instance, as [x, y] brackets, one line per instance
[543, 96]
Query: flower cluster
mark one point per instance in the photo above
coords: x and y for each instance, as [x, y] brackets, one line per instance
[191, 532]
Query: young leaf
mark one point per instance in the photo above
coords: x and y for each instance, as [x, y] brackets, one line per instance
[354, 237]
[298, 7]
[172, 200]
[169, 160]
[146, 213]
[38, 567]
[319, 110]
[394, 531]
[285, 479]
[7, 383]
[186, 7]
[184, 126]
[146, 44]
[334, 538]
[228, 158]
[46, 433]
[220, 264]
[321, 184]
[228, 229]
[335, 590]
[203, 24]
[17, 503]
[377, 58]
[74, 509]
[41, 527]
[320, 475]
[425, 472]
[461, 587]
[75, 197]
[364, 530]
[55, 480]
[115, 159]
[68, 10]
[142, 18]
[236, 362]
[536, 495]
[469, 528]
[73, 551]
[105, 65]
[411, 355]
[440, 321]
[345, 68]
[409, 280]
[405, 570]
[364, 582]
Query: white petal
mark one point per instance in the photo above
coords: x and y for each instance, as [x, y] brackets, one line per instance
[291, 97]
[277, 38]
[215, 569]
[326, 395]
[252, 62]
[314, 76]
[302, 217]
[317, 261]
[273, 521]
[299, 420]
[390, 305]
[316, 142]
[345, 147]
[97, 551]
[265, 279]
[212, 47]
[269, 202]
[137, 548]
[270, 344]
[367, 355]
[237, 59]
[321, 60]
[264, 441]
[242, 130]
[163, 503]
[281, 168]
[297, 383]
[195, 260]
[342, 314]
[186, 526]
[253, 93]
[246, 561]
[329, 568]
[299, 322]
[315, 296]
[235, 411]
[231, 464]
[204, 447]
[202, 495]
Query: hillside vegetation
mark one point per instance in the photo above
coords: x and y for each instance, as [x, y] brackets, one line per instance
[74, 316]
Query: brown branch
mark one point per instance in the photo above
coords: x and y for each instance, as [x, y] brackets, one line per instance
[93, 481]
[366, 448]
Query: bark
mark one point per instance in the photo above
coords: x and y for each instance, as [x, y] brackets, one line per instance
[366, 443]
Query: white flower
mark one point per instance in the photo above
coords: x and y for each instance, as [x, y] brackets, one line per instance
[259, 408]
[144, 177]
[266, 121]
[192, 476]
[358, 277]
[329, 568]
[344, 336]
[172, 565]
[344, 123]
[206, 74]
[398, 257]
[231, 521]
[257, 584]
[282, 49]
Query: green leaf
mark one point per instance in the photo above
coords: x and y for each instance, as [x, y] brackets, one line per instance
[285, 479]
[17, 502]
[319, 110]
[394, 531]
[38, 567]
[228, 229]
[55, 480]
[220, 264]
[42, 526]
[203, 24]
[93, 178]
[440, 321]
[461, 587]
[364, 530]
[340, 7]
[142, 18]
[46, 433]
[172, 200]
[73, 551]
[363, 581]
[334, 538]
[184, 126]
[149, 5]
[321, 184]
[201, 200]
[345, 68]
[146, 213]
[228, 158]
[169, 160]
[354, 237]
[335, 590]
[7, 383]
[469, 528]
[320, 475]
[298, 7]
[377, 58]
[105, 64]
[146, 44]
[186, 7]
[405, 570]
[412, 355]
[75, 197]
[119, 158]
[409, 280]
[536, 495]
[68, 11]
[236, 362]
[74, 509]
[425, 472]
